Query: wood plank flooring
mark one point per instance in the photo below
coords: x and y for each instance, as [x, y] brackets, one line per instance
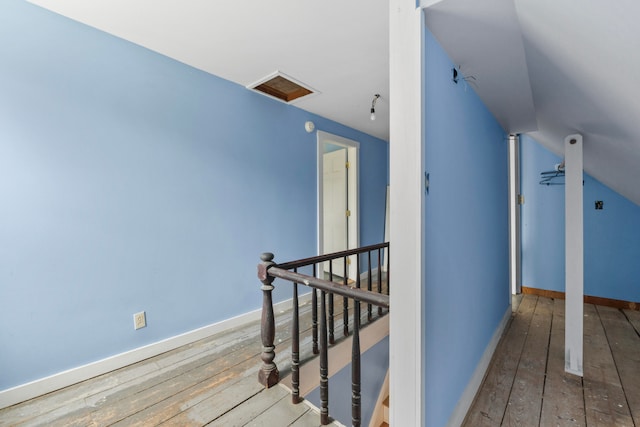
[526, 384]
[211, 382]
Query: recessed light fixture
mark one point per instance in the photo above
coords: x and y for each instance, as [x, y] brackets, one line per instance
[280, 86]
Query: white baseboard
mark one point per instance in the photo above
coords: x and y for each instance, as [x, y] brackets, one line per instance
[72, 376]
[461, 409]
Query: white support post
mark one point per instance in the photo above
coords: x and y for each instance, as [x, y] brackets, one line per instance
[514, 214]
[574, 255]
[406, 201]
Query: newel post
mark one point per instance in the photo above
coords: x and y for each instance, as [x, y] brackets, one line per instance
[268, 375]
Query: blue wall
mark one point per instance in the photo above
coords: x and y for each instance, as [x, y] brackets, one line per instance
[466, 233]
[132, 182]
[542, 219]
[374, 364]
[611, 235]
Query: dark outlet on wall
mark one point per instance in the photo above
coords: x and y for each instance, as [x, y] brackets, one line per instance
[599, 204]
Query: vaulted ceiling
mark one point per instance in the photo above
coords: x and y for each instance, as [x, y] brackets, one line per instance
[548, 68]
[552, 68]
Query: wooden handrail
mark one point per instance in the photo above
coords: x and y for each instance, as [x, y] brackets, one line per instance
[362, 295]
[324, 335]
[328, 257]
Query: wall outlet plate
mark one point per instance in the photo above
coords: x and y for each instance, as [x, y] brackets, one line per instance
[139, 320]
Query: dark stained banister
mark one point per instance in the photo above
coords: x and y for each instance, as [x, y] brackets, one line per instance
[268, 375]
[323, 333]
[362, 295]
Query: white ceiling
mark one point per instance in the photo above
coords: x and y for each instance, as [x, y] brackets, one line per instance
[552, 68]
[549, 68]
[339, 48]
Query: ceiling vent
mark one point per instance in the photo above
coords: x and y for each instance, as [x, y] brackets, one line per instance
[280, 86]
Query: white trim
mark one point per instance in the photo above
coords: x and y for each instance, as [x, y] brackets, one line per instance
[72, 376]
[353, 154]
[406, 370]
[514, 215]
[463, 405]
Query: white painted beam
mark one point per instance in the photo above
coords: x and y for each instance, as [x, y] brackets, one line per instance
[406, 201]
[574, 255]
[514, 214]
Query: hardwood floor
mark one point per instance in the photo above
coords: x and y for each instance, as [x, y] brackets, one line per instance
[526, 384]
[210, 382]
[213, 381]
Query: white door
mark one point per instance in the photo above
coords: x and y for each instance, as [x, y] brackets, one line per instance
[335, 199]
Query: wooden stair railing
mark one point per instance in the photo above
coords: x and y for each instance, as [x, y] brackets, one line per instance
[323, 336]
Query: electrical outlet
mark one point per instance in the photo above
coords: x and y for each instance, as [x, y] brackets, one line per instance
[139, 320]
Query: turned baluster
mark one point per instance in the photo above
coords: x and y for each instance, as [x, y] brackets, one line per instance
[324, 363]
[379, 280]
[314, 315]
[268, 375]
[345, 301]
[355, 369]
[369, 306]
[358, 284]
[388, 271]
[295, 347]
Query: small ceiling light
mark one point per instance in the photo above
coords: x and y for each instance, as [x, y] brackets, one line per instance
[373, 106]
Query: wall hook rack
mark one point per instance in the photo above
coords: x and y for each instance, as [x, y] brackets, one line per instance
[555, 177]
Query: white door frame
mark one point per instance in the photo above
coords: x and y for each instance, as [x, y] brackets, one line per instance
[353, 153]
[515, 251]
